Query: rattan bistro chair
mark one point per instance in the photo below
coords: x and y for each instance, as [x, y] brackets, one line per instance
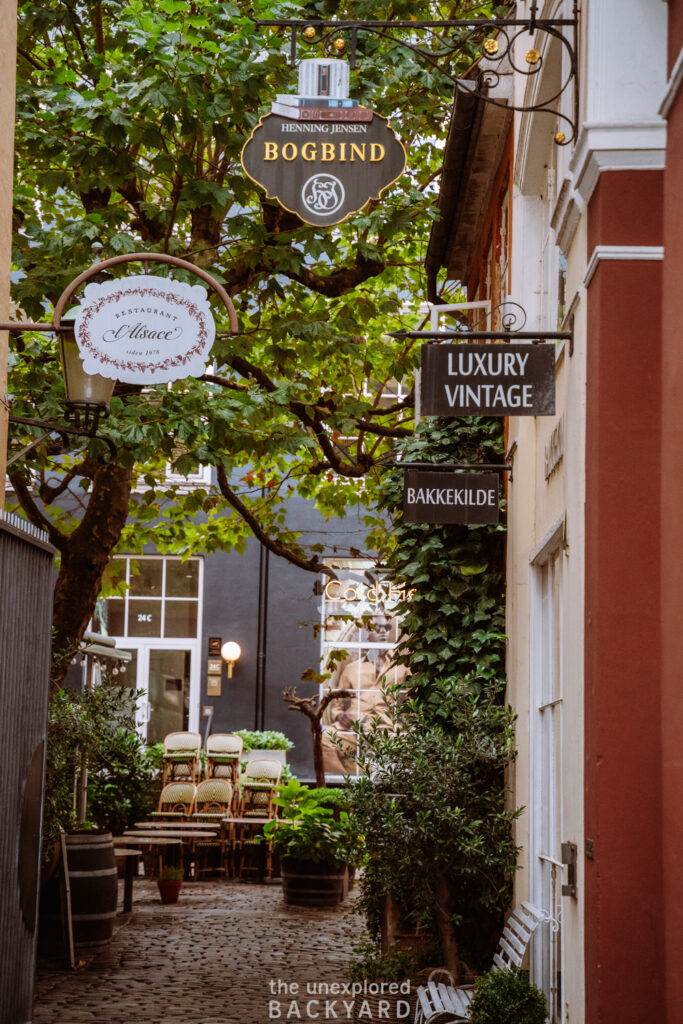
[181, 757]
[176, 801]
[212, 799]
[212, 803]
[260, 778]
[223, 757]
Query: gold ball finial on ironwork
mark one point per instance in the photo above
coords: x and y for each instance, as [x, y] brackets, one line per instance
[560, 137]
[491, 46]
[339, 45]
[309, 32]
[532, 56]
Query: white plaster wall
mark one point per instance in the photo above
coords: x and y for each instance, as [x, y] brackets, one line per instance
[536, 505]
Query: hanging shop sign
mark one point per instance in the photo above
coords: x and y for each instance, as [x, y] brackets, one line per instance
[488, 380]
[320, 154]
[450, 497]
[145, 329]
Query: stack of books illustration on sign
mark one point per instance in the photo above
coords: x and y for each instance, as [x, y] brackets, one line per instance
[323, 94]
[320, 154]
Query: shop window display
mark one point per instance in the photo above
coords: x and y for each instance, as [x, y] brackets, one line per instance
[360, 634]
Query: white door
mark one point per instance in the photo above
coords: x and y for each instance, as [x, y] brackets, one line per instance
[155, 613]
[168, 677]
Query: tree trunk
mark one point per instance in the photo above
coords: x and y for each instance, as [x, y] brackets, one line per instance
[444, 921]
[83, 561]
[317, 734]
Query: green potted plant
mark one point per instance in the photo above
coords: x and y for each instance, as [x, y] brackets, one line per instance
[439, 839]
[268, 744]
[507, 997]
[316, 843]
[169, 882]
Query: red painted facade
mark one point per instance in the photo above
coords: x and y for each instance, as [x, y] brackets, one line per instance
[625, 897]
[672, 553]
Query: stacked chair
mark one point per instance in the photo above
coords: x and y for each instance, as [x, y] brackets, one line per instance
[225, 792]
[176, 801]
[212, 802]
[224, 759]
[261, 776]
[260, 779]
[181, 757]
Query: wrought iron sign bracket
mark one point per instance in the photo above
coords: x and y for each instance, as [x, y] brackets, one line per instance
[56, 428]
[449, 467]
[495, 37]
[538, 337]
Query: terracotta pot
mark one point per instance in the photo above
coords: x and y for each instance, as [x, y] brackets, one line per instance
[169, 890]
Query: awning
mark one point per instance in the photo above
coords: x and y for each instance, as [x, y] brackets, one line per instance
[95, 645]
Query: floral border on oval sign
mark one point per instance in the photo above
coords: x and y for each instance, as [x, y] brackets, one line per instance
[97, 315]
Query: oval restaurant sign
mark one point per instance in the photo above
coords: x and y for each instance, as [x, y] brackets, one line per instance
[320, 154]
[145, 329]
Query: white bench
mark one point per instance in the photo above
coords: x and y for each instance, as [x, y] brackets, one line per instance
[438, 1003]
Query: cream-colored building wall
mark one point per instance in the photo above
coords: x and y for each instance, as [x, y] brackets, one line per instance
[8, 56]
[548, 511]
[537, 506]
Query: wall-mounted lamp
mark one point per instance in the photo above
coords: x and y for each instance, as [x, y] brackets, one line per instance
[230, 652]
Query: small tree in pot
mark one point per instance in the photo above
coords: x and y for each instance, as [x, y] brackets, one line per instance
[316, 844]
[432, 807]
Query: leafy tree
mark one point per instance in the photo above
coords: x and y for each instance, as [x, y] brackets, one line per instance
[431, 804]
[95, 728]
[131, 119]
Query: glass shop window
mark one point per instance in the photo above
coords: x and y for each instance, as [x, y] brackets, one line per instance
[360, 632]
[155, 597]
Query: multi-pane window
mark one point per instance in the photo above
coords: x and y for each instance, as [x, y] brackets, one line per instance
[359, 637]
[161, 599]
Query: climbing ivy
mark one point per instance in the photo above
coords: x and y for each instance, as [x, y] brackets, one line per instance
[454, 620]
[432, 798]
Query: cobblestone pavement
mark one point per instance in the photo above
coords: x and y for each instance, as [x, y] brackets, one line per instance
[213, 958]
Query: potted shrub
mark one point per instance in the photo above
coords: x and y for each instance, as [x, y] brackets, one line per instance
[169, 882]
[507, 997]
[269, 744]
[431, 805]
[316, 844]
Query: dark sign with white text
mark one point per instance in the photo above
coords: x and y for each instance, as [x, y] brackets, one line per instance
[488, 380]
[324, 170]
[450, 497]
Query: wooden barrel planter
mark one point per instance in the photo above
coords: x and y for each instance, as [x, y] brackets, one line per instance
[306, 883]
[94, 887]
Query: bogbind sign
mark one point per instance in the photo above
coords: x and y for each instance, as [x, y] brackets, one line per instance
[446, 498]
[320, 154]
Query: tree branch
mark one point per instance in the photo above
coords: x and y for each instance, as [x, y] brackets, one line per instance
[312, 564]
[32, 60]
[339, 281]
[34, 514]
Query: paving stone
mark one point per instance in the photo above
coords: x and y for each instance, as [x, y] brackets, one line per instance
[210, 959]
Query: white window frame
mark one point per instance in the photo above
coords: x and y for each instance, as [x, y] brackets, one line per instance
[143, 644]
[546, 760]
